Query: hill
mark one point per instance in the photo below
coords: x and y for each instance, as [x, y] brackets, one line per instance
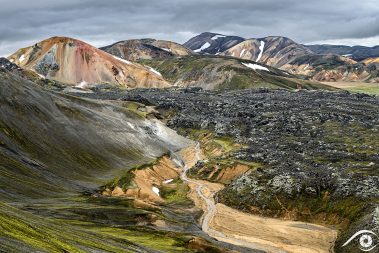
[273, 51]
[133, 50]
[357, 53]
[212, 43]
[77, 63]
[213, 72]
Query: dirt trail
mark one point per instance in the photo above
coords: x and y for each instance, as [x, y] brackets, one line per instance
[235, 227]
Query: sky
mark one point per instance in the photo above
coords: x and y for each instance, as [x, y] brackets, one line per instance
[103, 22]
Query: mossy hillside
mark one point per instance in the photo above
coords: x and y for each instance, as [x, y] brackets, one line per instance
[62, 140]
[201, 70]
[54, 148]
[56, 235]
[176, 193]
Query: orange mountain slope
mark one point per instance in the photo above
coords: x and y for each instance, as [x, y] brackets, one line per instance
[77, 63]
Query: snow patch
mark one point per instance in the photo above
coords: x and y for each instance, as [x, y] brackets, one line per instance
[261, 47]
[203, 47]
[156, 190]
[22, 58]
[154, 71]
[11, 60]
[218, 36]
[42, 76]
[168, 181]
[131, 125]
[82, 85]
[166, 49]
[122, 60]
[242, 52]
[255, 66]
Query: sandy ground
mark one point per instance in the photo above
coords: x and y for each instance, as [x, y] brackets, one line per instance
[270, 235]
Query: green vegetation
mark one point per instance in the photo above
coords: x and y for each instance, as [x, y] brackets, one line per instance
[176, 193]
[125, 181]
[224, 73]
[62, 235]
[369, 89]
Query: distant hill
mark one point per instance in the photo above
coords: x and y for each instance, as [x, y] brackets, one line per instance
[133, 50]
[274, 50]
[212, 43]
[357, 53]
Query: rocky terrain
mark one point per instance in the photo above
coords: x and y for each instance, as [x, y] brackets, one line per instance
[133, 50]
[357, 53]
[312, 155]
[79, 64]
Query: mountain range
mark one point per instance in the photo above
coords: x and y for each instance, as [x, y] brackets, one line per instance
[262, 62]
[317, 62]
[77, 63]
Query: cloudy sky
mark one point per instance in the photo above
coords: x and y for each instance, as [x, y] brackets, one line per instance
[101, 22]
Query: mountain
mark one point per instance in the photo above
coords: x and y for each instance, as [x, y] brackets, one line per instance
[358, 53]
[213, 72]
[331, 68]
[286, 54]
[212, 43]
[133, 50]
[374, 60]
[273, 51]
[77, 63]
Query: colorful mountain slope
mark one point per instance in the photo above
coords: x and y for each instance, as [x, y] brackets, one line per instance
[77, 63]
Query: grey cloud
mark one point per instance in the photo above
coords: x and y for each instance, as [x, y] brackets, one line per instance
[101, 22]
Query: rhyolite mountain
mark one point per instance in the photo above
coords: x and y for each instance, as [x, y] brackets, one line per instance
[75, 62]
[212, 43]
[272, 51]
[284, 53]
[133, 50]
[357, 53]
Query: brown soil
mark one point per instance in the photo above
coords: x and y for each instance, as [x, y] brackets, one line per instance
[146, 179]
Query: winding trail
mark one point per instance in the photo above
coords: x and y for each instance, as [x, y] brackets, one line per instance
[211, 206]
[251, 231]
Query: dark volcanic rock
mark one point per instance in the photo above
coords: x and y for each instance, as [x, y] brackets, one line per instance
[8, 65]
[319, 149]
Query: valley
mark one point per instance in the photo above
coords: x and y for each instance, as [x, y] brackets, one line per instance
[221, 144]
